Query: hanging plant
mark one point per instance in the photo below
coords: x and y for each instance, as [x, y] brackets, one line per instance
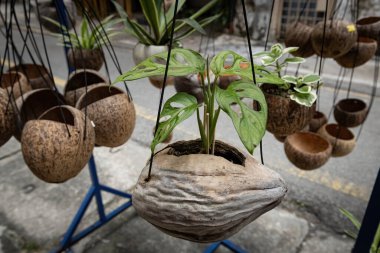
[37, 75]
[7, 121]
[291, 98]
[205, 190]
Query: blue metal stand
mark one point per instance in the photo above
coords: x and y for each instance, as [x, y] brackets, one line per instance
[226, 243]
[95, 191]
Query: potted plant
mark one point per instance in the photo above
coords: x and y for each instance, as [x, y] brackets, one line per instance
[85, 47]
[290, 100]
[205, 190]
[160, 23]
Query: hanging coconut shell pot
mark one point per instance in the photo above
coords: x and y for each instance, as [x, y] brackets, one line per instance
[142, 52]
[58, 145]
[205, 198]
[280, 138]
[350, 112]
[29, 106]
[340, 37]
[81, 58]
[77, 82]
[15, 83]
[299, 35]
[285, 116]
[306, 150]
[362, 51]
[7, 121]
[341, 139]
[370, 27]
[37, 75]
[318, 120]
[112, 113]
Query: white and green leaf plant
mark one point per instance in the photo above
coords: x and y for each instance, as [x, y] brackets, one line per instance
[301, 89]
[249, 123]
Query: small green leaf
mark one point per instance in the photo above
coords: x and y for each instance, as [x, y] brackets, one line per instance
[193, 24]
[289, 50]
[260, 54]
[304, 89]
[304, 99]
[294, 60]
[176, 109]
[310, 79]
[277, 50]
[289, 79]
[249, 124]
[182, 62]
[351, 217]
[268, 60]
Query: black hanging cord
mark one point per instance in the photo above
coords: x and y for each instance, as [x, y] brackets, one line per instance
[303, 10]
[269, 25]
[163, 85]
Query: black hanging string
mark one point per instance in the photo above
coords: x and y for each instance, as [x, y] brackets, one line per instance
[269, 26]
[338, 85]
[164, 84]
[303, 10]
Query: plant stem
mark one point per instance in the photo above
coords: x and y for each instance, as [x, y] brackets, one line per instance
[278, 69]
[376, 241]
[201, 129]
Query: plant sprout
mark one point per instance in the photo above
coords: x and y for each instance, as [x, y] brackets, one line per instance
[250, 124]
[88, 38]
[301, 89]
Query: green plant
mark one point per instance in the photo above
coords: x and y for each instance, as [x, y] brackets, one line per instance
[249, 123]
[89, 37]
[161, 22]
[301, 89]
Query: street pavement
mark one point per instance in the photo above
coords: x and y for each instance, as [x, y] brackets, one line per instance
[34, 215]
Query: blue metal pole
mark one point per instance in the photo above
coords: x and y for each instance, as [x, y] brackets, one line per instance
[96, 185]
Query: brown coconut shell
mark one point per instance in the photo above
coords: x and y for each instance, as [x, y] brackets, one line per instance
[299, 35]
[158, 81]
[77, 82]
[369, 27]
[58, 145]
[85, 58]
[16, 84]
[362, 51]
[340, 37]
[7, 121]
[205, 198]
[112, 112]
[306, 150]
[285, 116]
[350, 112]
[37, 75]
[340, 137]
[29, 106]
[280, 138]
[318, 120]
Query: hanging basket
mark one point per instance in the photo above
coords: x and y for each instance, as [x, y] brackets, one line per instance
[299, 35]
[77, 82]
[350, 112]
[362, 51]
[112, 113]
[37, 75]
[318, 120]
[306, 150]
[7, 121]
[85, 58]
[370, 27]
[340, 37]
[15, 83]
[58, 145]
[205, 198]
[29, 106]
[340, 137]
[280, 138]
[285, 116]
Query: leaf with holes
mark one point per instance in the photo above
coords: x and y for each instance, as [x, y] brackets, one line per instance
[182, 62]
[176, 109]
[249, 124]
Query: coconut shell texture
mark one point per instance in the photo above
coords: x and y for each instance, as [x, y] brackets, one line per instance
[50, 152]
[350, 112]
[7, 121]
[16, 84]
[340, 37]
[37, 75]
[205, 198]
[299, 35]
[306, 150]
[85, 58]
[318, 120]
[341, 138]
[112, 112]
[362, 51]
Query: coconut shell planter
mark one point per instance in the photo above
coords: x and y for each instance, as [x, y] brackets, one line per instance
[350, 112]
[299, 35]
[7, 121]
[340, 37]
[80, 58]
[58, 145]
[15, 83]
[369, 27]
[285, 116]
[318, 120]
[340, 137]
[29, 106]
[205, 198]
[112, 113]
[307, 150]
[79, 81]
[37, 75]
